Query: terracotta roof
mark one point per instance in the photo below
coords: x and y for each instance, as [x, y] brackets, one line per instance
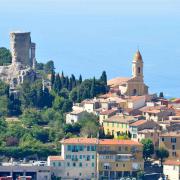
[118, 142]
[137, 56]
[120, 119]
[176, 101]
[154, 109]
[172, 162]
[56, 158]
[75, 112]
[118, 81]
[177, 112]
[138, 123]
[108, 112]
[171, 134]
[80, 141]
[136, 98]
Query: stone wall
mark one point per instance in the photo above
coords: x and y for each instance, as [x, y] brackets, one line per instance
[20, 43]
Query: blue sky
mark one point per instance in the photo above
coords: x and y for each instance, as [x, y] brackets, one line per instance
[89, 36]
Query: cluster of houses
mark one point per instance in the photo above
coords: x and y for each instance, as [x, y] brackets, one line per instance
[127, 114]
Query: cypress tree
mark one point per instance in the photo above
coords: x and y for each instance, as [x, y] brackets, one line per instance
[93, 88]
[57, 84]
[103, 78]
[80, 79]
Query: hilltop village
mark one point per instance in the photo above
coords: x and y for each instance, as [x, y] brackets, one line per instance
[83, 129]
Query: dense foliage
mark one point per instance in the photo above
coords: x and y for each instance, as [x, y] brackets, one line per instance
[32, 123]
[148, 148]
[5, 56]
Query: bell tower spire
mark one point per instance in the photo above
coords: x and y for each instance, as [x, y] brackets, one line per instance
[137, 66]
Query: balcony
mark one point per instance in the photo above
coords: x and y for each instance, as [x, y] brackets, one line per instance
[125, 157]
[74, 159]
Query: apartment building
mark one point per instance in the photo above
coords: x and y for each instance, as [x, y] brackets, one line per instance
[118, 124]
[171, 142]
[79, 155]
[91, 158]
[119, 158]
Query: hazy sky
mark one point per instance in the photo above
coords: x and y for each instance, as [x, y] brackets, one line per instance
[89, 36]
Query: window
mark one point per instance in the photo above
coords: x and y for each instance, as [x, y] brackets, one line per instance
[93, 148]
[173, 147]
[74, 164]
[119, 148]
[112, 124]
[174, 154]
[92, 164]
[88, 158]
[126, 148]
[67, 174]
[68, 164]
[80, 157]
[80, 148]
[69, 147]
[173, 140]
[118, 133]
[117, 165]
[162, 139]
[124, 165]
[80, 164]
[92, 175]
[80, 174]
[59, 164]
[139, 70]
[88, 148]
[92, 156]
[54, 164]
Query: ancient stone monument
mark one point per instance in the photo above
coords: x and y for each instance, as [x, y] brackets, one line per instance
[23, 60]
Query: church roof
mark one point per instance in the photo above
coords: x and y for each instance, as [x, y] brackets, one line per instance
[118, 81]
[137, 56]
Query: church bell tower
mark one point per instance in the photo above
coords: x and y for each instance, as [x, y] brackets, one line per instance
[137, 66]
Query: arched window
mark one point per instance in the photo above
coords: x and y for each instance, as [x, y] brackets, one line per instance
[139, 70]
[134, 92]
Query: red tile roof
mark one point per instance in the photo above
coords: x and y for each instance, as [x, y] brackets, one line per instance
[172, 162]
[56, 158]
[118, 81]
[80, 141]
[138, 123]
[118, 142]
[108, 112]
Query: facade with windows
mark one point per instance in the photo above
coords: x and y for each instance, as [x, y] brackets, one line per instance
[79, 155]
[117, 125]
[119, 158]
[91, 158]
[171, 142]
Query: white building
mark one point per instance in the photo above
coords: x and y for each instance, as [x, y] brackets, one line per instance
[171, 169]
[73, 116]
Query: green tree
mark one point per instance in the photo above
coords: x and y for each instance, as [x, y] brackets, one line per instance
[57, 84]
[162, 153]
[93, 88]
[5, 56]
[80, 79]
[148, 148]
[49, 67]
[103, 78]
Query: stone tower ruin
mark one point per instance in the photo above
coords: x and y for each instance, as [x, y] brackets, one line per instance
[22, 49]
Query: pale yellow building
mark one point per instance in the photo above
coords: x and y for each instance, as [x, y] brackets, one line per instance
[119, 158]
[133, 86]
[117, 125]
